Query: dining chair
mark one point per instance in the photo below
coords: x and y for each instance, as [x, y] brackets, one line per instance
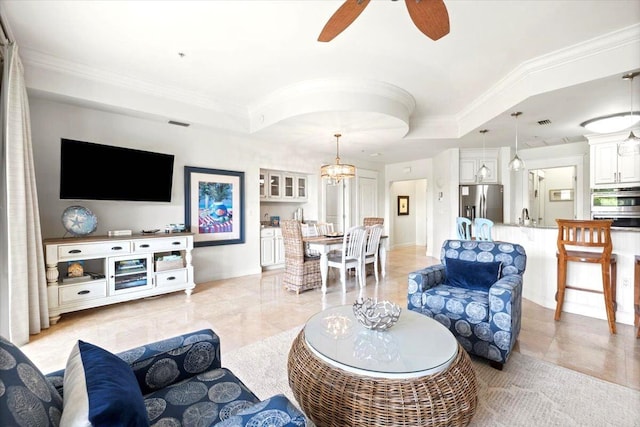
[351, 255]
[309, 230]
[324, 228]
[372, 248]
[301, 271]
[483, 227]
[369, 221]
[464, 228]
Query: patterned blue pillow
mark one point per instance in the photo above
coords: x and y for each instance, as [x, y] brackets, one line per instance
[472, 274]
[100, 389]
[277, 411]
[26, 397]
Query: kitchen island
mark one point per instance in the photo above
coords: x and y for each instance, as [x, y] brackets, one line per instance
[540, 278]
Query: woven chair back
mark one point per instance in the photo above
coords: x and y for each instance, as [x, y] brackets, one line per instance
[293, 245]
[369, 221]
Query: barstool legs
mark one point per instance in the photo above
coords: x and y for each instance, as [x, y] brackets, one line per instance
[609, 280]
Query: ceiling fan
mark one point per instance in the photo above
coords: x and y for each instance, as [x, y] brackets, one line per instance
[430, 16]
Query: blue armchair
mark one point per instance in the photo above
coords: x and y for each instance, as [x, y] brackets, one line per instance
[476, 292]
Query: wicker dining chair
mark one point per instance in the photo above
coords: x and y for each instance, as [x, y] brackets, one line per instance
[301, 271]
[369, 221]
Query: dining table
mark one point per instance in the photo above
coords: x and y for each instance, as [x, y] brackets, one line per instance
[325, 244]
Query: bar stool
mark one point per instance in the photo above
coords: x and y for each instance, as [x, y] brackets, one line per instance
[592, 234]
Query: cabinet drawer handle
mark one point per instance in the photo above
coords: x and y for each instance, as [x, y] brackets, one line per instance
[175, 243]
[116, 248]
[171, 278]
[83, 292]
[75, 251]
[144, 246]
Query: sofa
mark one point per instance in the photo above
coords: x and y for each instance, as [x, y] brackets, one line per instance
[476, 292]
[173, 382]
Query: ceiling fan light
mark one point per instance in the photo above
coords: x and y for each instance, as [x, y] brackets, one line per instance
[612, 123]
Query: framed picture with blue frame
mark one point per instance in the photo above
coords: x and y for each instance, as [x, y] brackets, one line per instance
[214, 206]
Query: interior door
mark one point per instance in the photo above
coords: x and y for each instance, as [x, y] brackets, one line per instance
[333, 205]
[367, 198]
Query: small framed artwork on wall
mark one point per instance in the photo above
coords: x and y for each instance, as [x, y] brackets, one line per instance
[403, 205]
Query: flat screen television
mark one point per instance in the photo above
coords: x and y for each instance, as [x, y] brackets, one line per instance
[90, 171]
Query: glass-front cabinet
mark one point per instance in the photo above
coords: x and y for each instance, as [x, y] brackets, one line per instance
[130, 274]
[275, 179]
[301, 187]
[263, 187]
[289, 186]
[283, 186]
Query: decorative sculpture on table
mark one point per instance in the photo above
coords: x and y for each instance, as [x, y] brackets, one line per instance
[378, 316]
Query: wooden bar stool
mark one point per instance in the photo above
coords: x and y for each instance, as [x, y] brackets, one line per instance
[592, 234]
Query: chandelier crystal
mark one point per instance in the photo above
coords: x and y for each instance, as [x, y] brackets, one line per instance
[516, 163]
[337, 171]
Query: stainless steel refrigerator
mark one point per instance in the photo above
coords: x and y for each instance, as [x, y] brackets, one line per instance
[482, 201]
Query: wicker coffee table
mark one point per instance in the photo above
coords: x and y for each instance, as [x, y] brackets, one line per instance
[414, 374]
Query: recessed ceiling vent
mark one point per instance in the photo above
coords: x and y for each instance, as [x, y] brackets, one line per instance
[544, 122]
[173, 122]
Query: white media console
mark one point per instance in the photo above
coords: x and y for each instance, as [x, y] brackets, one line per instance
[115, 269]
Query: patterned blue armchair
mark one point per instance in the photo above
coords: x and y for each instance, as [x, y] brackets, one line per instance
[174, 382]
[484, 317]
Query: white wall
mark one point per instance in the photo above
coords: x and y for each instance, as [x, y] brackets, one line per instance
[192, 146]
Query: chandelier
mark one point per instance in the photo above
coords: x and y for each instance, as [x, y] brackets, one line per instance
[516, 163]
[338, 171]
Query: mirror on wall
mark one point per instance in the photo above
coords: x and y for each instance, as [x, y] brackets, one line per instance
[552, 194]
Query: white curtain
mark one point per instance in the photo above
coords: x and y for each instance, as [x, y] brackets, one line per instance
[23, 285]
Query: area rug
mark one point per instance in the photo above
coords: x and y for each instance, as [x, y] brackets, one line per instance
[527, 392]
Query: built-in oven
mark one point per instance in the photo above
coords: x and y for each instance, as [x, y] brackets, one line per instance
[621, 205]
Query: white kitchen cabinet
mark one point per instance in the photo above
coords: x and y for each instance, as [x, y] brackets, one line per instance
[301, 187]
[275, 185]
[469, 170]
[271, 248]
[608, 168]
[282, 186]
[115, 269]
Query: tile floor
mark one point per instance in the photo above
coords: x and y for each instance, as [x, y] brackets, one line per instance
[246, 309]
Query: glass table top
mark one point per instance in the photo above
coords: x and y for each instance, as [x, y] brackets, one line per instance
[416, 345]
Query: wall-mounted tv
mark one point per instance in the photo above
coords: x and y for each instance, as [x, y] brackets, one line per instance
[90, 171]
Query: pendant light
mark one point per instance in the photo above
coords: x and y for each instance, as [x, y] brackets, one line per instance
[484, 171]
[516, 163]
[631, 145]
[338, 171]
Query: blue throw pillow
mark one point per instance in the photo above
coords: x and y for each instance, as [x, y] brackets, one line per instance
[472, 274]
[100, 389]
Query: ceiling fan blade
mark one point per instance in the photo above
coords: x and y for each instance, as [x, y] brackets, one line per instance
[342, 18]
[430, 16]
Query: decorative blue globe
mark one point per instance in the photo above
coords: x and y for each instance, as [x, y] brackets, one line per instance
[79, 221]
